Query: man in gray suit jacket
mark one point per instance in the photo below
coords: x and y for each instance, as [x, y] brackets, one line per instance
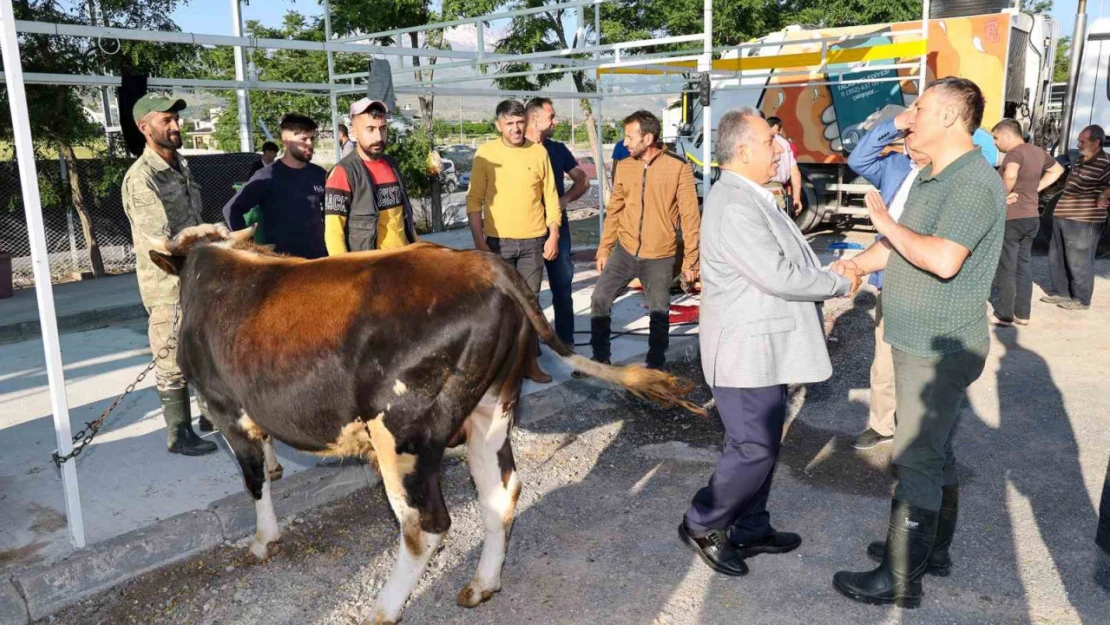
[761, 329]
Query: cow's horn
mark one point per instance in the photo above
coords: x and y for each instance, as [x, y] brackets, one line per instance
[239, 236]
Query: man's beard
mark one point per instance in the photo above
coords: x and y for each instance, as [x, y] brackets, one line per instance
[372, 154]
[170, 139]
[299, 154]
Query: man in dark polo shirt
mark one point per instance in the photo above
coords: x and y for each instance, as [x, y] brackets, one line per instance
[1026, 171]
[560, 272]
[1077, 224]
[940, 258]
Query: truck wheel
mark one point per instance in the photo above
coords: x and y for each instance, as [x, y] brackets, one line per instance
[812, 212]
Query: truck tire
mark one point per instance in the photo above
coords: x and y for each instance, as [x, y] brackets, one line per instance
[813, 212]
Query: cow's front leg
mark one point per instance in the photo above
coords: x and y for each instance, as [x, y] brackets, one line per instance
[412, 484]
[490, 455]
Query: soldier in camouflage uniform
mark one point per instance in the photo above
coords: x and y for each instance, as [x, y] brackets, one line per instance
[161, 199]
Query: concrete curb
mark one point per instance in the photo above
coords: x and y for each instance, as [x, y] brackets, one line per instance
[36, 592]
[85, 320]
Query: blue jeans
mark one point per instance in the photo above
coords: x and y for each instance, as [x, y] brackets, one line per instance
[560, 277]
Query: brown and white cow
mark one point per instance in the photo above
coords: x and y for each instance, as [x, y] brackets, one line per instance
[391, 355]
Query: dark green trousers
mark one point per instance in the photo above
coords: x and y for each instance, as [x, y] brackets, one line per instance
[930, 393]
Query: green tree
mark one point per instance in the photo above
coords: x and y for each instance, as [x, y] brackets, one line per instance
[411, 152]
[1038, 6]
[835, 13]
[277, 66]
[55, 112]
[1062, 61]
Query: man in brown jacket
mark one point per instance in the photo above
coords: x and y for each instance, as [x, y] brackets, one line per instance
[653, 197]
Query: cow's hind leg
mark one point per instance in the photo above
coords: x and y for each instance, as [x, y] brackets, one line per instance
[490, 454]
[412, 484]
[249, 444]
[274, 470]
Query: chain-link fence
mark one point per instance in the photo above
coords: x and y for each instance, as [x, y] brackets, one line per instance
[95, 212]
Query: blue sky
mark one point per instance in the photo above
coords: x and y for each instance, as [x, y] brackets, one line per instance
[214, 16]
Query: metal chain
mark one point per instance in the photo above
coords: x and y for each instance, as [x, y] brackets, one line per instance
[86, 434]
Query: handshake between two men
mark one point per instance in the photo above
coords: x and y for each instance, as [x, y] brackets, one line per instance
[856, 268]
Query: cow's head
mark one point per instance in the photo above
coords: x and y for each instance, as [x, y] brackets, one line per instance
[170, 254]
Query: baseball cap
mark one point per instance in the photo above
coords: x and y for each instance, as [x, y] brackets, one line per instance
[363, 105]
[151, 103]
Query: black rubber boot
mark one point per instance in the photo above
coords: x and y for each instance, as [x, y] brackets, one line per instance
[659, 337]
[909, 542]
[180, 437]
[940, 562]
[599, 337]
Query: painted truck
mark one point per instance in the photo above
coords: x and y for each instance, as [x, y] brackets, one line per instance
[1009, 55]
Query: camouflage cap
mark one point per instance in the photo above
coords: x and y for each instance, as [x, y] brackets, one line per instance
[151, 103]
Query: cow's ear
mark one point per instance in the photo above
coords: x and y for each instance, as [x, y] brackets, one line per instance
[167, 262]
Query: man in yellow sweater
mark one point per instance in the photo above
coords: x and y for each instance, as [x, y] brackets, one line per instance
[512, 203]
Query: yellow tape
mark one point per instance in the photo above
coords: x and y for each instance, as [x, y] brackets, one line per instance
[887, 51]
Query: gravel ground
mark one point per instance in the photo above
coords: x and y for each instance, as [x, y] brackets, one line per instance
[604, 490]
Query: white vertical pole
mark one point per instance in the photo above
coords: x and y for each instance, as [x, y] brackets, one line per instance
[705, 64]
[600, 156]
[242, 96]
[1078, 40]
[331, 82]
[922, 79]
[40, 262]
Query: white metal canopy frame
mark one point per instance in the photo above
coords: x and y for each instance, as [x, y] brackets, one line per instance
[609, 55]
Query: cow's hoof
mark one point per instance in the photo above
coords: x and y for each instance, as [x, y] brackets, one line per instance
[474, 595]
[380, 619]
[264, 551]
[276, 473]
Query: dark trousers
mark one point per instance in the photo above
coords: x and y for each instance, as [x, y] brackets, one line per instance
[525, 255]
[1013, 282]
[560, 277]
[930, 393]
[736, 496]
[1071, 258]
[656, 275]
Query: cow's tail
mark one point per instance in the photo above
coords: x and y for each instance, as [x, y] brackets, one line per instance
[662, 388]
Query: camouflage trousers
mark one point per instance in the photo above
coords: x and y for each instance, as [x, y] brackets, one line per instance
[160, 331]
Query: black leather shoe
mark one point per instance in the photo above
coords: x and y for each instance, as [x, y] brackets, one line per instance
[715, 550]
[778, 542]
